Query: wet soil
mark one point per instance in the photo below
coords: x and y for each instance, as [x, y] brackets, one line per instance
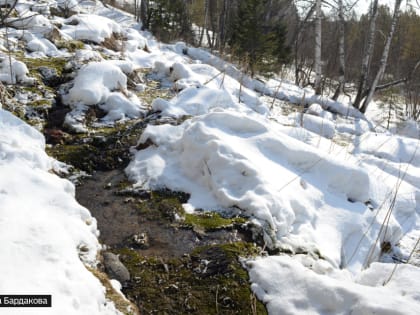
[121, 216]
[180, 269]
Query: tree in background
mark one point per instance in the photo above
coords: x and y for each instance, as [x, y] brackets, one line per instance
[384, 58]
[318, 47]
[168, 20]
[341, 51]
[361, 54]
[258, 38]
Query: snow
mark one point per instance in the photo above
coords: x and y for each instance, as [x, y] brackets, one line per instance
[290, 286]
[318, 125]
[90, 27]
[390, 147]
[119, 107]
[29, 19]
[308, 194]
[95, 82]
[183, 76]
[41, 45]
[191, 102]
[102, 83]
[317, 110]
[226, 159]
[47, 237]
[13, 71]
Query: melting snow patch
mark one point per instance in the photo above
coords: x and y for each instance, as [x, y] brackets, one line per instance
[295, 286]
[318, 125]
[90, 27]
[13, 71]
[104, 84]
[226, 159]
[47, 237]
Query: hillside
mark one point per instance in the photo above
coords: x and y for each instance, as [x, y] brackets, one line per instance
[144, 177]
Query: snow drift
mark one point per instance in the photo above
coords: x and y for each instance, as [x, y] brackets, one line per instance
[227, 159]
[47, 237]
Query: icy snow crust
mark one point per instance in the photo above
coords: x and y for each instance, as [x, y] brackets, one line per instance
[235, 152]
[43, 229]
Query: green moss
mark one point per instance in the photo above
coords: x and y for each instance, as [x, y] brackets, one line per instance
[70, 45]
[33, 64]
[210, 221]
[32, 89]
[81, 156]
[41, 103]
[160, 208]
[104, 149]
[150, 94]
[189, 285]
[233, 250]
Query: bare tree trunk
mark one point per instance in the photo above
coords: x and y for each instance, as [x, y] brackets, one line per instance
[341, 51]
[212, 17]
[297, 38]
[206, 13]
[367, 55]
[384, 58]
[318, 46]
[144, 13]
[222, 23]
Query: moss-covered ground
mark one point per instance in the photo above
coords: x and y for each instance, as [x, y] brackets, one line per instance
[211, 280]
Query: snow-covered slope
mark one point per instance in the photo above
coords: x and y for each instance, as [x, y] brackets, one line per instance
[332, 211]
[330, 202]
[47, 238]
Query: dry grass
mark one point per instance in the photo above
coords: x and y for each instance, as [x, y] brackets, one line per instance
[122, 304]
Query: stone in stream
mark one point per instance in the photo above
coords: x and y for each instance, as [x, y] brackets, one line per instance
[49, 76]
[141, 240]
[115, 268]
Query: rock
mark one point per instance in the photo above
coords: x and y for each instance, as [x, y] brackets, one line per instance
[54, 35]
[115, 268]
[141, 240]
[55, 136]
[49, 76]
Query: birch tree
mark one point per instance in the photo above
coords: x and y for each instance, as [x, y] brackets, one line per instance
[318, 47]
[297, 39]
[384, 58]
[364, 72]
[341, 51]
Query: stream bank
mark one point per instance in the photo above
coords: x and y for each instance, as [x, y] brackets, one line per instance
[178, 262]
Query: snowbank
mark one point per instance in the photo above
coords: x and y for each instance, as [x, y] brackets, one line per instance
[47, 237]
[95, 82]
[13, 71]
[90, 27]
[226, 159]
[290, 286]
[194, 101]
[103, 83]
[390, 147]
[282, 90]
[317, 110]
[318, 125]
[41, 45]
[183, 76]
